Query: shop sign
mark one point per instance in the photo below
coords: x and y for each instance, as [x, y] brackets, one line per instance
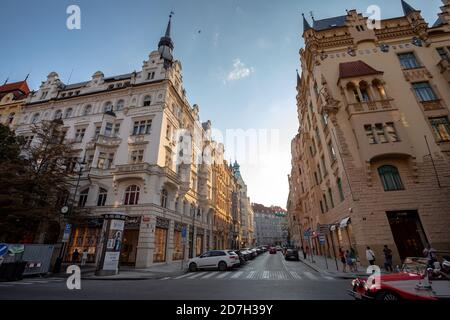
[162, 223]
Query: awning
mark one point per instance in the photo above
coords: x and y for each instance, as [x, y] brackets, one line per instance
[344, 222]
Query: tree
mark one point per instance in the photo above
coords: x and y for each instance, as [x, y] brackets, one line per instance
[35, 181]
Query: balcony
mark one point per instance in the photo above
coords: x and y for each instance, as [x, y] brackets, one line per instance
[137, 140]
[132, 168]
[417, 74]
[444, 68]
[100, 172]
[103, 141]
[432, 105]
[369, 106]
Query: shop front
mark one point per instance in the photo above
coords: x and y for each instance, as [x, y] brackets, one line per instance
[130, 241]
[161, 232]
[85, 237]
[199, 241]
[178, 252]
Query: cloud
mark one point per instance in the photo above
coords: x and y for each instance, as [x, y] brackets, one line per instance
[239, 71]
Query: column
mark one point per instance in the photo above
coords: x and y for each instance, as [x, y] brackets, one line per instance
[146, 242]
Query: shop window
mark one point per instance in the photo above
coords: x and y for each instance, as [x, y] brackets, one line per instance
[132, 195]
[390, 178]
[177, 245]
[160, 245]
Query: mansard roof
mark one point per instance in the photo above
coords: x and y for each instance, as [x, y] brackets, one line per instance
[356, 69]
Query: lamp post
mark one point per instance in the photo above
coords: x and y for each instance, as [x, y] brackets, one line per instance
[194, 214]
[67, 210]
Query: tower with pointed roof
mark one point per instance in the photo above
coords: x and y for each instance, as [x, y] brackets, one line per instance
[165, 46]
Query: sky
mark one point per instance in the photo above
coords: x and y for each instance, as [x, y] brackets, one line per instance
[239, 61]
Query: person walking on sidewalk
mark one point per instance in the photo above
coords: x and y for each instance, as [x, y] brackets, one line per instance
[342, 257]
[370, 255]
[75, 256]
[387, 259]
[349, 260]
[304, 253]
[354, 266]
[84, 257]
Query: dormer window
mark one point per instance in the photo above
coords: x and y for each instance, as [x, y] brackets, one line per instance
[151, 75]
[120, 105]
[147, 101]
[58, 115]
[44, 95]
[68, 113]
[108, 107]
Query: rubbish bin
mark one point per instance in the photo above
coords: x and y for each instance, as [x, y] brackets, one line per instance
[12, 271]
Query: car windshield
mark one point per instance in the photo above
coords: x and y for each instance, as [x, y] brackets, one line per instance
[415, 264]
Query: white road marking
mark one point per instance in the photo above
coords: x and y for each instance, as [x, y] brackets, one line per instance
[209, 275]
[223, 275]
[197, 275]
[237, 275]
[295, 275]
[328, 277]
[251, 275]
[166, 278]
[265, 275]
[310, 275]
[183, 276]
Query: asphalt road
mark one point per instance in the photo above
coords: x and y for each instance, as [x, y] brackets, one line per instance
[268, 277]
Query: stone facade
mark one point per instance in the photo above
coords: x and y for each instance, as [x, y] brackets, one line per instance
[270, 225]
[371, 160]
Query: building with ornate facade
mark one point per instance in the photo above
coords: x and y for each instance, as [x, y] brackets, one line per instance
[125, 131]
[12, 98]
[270, 225]
[371, 160]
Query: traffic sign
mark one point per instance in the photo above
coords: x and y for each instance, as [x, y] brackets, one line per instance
[322, 239]
[3, 249]
[66, 234]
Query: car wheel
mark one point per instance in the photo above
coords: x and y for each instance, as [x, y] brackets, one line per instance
[386, 296]
[193, 267]
[222, 266]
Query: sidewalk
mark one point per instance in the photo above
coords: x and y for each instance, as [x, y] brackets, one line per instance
[320, 265]
[157, 271]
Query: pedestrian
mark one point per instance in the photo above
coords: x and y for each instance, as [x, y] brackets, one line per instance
[75, 256]
[430, 253]
[354, 259]
[84, 257]
[304, 253]
[370, 255]
[342, 257]
[387, 259]
[308, 251]
[349, 260]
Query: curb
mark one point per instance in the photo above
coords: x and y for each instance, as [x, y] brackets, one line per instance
[310, 266]
[152, 277]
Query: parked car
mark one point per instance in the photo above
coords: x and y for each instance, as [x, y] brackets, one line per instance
[273, 250]
[247, 254]
[278, 248]
[242, 259]
[214, 259]
[415, 281]
[254, 252]
[291, 254]
[259, 250]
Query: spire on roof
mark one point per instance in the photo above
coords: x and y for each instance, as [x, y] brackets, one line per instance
[165, 45]
[306, 25]
[298, 79]
[407, 8]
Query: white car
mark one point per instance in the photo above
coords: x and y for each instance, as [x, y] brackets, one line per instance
[214, 259]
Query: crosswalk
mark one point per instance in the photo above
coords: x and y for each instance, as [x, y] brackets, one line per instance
[30, 282]
[252, 275]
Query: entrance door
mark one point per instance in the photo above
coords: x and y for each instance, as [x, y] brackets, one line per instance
[129, 247]
[199, 245]
[160, 245]
[408, 233]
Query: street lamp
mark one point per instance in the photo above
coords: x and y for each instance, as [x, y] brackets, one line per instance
[194, 214]
[67, 210]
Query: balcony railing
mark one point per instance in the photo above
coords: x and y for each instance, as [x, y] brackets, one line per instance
[136, 167]
[432, 105]
[369, 106]
[102, 140]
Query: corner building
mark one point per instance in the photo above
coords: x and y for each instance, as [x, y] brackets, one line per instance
[371, 160]
[124, 129]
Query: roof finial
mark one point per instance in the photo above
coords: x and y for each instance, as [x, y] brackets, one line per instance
[26, 78]
[6, 81]
[311, 13]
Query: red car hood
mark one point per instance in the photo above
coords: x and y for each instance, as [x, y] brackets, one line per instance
[400, 276]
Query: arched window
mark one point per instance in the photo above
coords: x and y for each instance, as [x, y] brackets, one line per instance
[364, 89]
[87, 110]
[147, 101]
[164, 198]
[35, 118]
[58, 115]
[83, 198]
[379, 87]
[120, 105]
[68, 113]
[353, 91]
[108, 106]
[11, 117]
[132, 195]
[102, 195]
[390, 178]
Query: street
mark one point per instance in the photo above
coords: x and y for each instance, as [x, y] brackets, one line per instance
[268, 277]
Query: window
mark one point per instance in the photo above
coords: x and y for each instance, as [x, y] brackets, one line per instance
[363, 88]
[320, 175]
[97, 131]
[108, 107]
[142, 127]
[117, 130]
[325, 119]
[120, 105]
[83, 198]
[137, 156]
[325, 202]
[102, 195]
[58, 115]
[390, 178]
[380, 133]
[331, 151]
[369, 133]
[108, 129]
[147, 101]
[408, 60]
[321, 207]
[101, 163]
[324, 167]
[391, 132]
[28, 140]
[35, 118]
[443, 52]
[79, 134]
[330, 196]
[424, 91]
[168, 132]
[132, 195]
[44, 95]
[340, 189]
[87, 110]
[356, 95]
[441, 128]
[164, 198]
[151, 75]
[68, 113]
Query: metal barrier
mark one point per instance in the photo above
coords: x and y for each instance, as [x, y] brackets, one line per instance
[38, 258]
